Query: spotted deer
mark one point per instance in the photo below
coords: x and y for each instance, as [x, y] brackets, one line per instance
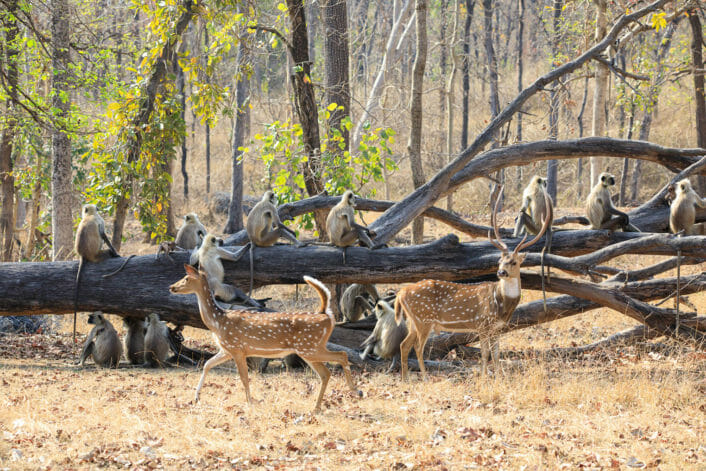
[241, 334]
[445, 306]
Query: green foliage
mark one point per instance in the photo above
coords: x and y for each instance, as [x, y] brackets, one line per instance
[281, 148]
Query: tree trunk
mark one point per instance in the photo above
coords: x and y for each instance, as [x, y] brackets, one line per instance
[182, 101]
[414, 147]
[600, 89]
[697, 63]
[305, 105]
[61, 181]
[134, 138]
[520, 67]
[579, 119]
[553, 165]
[449, 92]
[335, 19]
[466, 72]
[7, 180]
[207, 79]
[652, 96]
[492, 61]
[379, 83]
[241, 128]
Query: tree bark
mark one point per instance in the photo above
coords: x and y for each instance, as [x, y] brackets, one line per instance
[134, 139]
[61, 181]
[697, 63]
[207, 136]
[241, 128]
[450, 95]
[414, 146]
[336, 56]
[600, 89]
[305, 105]
[7, 180]
[181, 82]
[520, 68]
[553, 165]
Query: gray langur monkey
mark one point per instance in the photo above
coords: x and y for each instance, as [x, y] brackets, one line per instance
[387, 336]
[102, 343]
[354, 303]
[600, 210]
[191, 233]
[536, 205]
[134, 340]
[264, 227]
[209, 257]
[88, 244]
[682, 211]
[342, 228]
[156, 341]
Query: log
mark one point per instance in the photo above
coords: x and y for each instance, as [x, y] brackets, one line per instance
[142, 286]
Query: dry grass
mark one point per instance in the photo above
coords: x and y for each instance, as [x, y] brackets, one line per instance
[632, 407]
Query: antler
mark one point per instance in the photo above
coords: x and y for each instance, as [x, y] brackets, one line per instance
[547, 221]
[493, 222]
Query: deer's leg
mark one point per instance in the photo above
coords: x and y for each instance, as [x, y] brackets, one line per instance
[324, 375]
[342, 359]
[422, 336]
[484, 353]
[405, 347]
[221, 357]
[495, 341]
[242, 363]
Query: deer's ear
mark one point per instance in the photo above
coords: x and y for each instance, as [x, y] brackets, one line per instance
[190, 270]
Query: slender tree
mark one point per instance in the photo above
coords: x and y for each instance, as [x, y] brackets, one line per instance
[336, 56]
[241, 128]
[8, 61]
[414, 146]
[61, 184]
[600, 89]
[553, 165]
[697, 62]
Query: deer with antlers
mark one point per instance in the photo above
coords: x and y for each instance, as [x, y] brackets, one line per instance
[483, 308]
[241, 334]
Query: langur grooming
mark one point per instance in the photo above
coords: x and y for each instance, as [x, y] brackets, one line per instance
[342, 228]
[264, 227]
[387, 336]
[90, 236]
[135, 340]
[102, 343]
[354, 303]
[156, 341]
[600, 210]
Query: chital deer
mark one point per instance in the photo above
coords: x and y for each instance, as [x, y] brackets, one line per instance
[241, 334]
[445, 306]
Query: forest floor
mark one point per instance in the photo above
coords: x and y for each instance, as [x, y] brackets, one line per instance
[629, 407]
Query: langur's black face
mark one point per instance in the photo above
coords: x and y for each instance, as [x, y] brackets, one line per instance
[95, 318]
[607, 179]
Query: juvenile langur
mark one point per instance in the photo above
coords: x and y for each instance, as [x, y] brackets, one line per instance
[135, 340]
[190, 233]
[156, 341]
[209, 257]
[354, 303]
[341, 225]
[264, 227]
[90, 236]
[102, 343]
[682, 211]
[600, 210]
[387, 336]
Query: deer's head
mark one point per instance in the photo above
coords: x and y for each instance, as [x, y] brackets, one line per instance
[510, 262]
[191, 283]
